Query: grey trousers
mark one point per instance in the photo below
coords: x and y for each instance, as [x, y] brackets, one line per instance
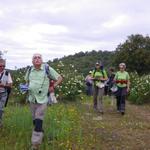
[38, 111]
[3, 97]
[98, 98]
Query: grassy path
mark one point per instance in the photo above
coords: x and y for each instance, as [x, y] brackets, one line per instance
[75, 126]
[112, 131]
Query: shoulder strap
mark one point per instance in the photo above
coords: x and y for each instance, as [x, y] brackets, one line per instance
[126, 76]
[28, 72]
[116, 75]
[47, 71]
[1, 75]
[94, 72]
[6, 72]
[102, 73]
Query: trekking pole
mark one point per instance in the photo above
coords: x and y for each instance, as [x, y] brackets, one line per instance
[8, 93]
[6, 100]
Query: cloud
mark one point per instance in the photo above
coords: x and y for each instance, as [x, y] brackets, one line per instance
[115, 22]
[58, 28]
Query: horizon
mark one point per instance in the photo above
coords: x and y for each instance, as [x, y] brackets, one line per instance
[61, 28]
[16, 68]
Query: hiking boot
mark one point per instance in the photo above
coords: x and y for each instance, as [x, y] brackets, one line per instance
[100, 112]
[122, 113]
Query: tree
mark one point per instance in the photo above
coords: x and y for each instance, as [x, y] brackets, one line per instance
[135, 52]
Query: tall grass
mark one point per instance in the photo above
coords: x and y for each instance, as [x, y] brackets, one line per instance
[59, 122]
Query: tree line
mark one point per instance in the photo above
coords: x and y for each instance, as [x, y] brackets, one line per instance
[135, 52]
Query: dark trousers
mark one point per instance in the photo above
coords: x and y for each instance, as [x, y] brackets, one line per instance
[121, 96]
[89, 90]
[121, 103]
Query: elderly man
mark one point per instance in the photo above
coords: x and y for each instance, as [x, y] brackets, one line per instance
[5, 82]
[38, 81]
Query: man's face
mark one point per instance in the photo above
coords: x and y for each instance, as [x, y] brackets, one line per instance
[37, 60]
[2, 66]
[97, 66]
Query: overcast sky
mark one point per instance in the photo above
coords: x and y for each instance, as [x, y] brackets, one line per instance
[56, 28]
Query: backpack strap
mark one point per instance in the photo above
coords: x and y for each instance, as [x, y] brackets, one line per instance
[94, 72]
[6, 72]
[100, 71]
[47, 71]
[28, 72]
[116, 75]
[1, 75]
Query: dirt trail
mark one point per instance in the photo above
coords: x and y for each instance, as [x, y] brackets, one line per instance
[112, 131]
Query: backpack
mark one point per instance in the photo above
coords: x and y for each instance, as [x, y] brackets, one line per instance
[46, 71]
[8, 89]
[101, 70]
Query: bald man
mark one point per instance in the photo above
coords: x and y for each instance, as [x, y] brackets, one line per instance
[38, 95]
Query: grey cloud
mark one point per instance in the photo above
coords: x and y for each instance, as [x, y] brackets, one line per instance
[83, 19]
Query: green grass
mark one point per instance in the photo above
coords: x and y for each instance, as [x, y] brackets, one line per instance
[75, 126]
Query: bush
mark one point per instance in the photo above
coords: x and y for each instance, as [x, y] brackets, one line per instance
[72, 85]
[140, 88]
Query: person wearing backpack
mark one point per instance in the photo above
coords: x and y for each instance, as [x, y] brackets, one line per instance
[38, 85]
[5, 83]
[111, 77]
[99, 77]
[122, 79]
[89, 84]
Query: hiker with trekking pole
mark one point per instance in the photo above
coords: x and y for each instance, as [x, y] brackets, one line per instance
[38, 79]
[5, 87]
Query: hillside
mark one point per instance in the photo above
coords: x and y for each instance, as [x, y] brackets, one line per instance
[85, 61]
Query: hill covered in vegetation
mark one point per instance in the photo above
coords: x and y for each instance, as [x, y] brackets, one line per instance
[85, 61]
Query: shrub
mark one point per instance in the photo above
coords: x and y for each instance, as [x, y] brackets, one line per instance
[140, 88]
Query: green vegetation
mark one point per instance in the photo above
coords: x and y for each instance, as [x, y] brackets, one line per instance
[140, 89]
[135, 52]
[75, 126]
